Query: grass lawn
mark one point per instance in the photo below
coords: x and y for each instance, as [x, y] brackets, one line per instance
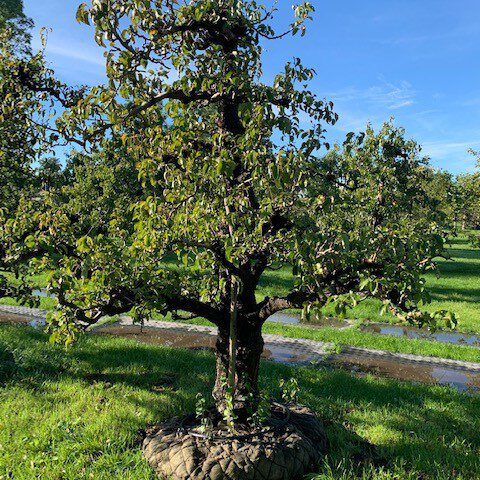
[77, 414]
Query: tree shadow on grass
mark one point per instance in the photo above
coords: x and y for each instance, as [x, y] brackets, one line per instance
[427, 427]
[279, 280]
[460, 266]
[457, 241]
[7, 364]
[464, 253]
[449, 294]
[431, 429]
[97, 359]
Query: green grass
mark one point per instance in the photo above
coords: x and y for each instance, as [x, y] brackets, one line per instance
[45, 303]
[77, 414]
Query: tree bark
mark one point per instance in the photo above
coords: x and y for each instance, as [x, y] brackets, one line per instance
[249, 350]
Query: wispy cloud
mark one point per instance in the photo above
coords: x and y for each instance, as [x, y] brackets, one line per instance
[453, 156]
[386, 95]
[352, 122]
[75, 52]
[471, 102]
[464, 33]
[441, 149]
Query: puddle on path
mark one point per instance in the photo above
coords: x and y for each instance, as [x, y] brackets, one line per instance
[286, 354]
[194, 341]
[412, 332]
[295, 319]
[42, 294]
[462, 380]
[358, 364]
[285, 318]
[13, 319]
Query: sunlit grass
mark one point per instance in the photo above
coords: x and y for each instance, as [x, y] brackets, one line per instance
[77, 414]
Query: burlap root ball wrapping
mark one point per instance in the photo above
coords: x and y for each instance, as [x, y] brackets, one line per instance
[287, 451]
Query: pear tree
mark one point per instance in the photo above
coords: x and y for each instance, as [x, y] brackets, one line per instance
[228, 180]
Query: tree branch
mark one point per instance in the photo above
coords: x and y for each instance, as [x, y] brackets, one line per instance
[123, 300]
[170, 95]
[218, 251]
[271, 305]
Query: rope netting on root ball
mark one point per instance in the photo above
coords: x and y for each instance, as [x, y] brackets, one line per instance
[291, 445]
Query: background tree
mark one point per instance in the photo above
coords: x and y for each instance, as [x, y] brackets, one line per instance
[29, 94]
[230, 184]
[468, 186]
[17, 136]
[442, 188]
[17, 133]
[50, 174]
[469, 189]
[15, 23]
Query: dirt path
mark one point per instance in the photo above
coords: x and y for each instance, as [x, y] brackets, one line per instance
[465, 376]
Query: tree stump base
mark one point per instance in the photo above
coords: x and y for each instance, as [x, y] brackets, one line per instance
[292, 445]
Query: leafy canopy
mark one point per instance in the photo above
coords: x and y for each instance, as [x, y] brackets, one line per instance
[225, 180]
[18, 107]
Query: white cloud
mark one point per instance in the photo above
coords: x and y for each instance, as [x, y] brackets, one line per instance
[386, 95]
[375, 105]
[350, 122]
[441, 149]
[75, 52]
[405, 103]
[471, 102]
[464, 33]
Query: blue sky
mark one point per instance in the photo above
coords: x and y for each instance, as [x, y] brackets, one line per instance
[415, 60]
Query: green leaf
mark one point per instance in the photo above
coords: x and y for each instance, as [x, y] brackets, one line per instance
[82, 15]
[30, 241]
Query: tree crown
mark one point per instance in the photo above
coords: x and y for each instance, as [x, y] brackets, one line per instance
[229, 181]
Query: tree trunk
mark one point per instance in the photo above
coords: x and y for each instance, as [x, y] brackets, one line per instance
[249, 350]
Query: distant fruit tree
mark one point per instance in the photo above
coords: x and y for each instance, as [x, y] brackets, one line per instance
[18, 134]
[227, 182]
[468, 187]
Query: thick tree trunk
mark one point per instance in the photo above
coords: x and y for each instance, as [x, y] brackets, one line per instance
[249, 350]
